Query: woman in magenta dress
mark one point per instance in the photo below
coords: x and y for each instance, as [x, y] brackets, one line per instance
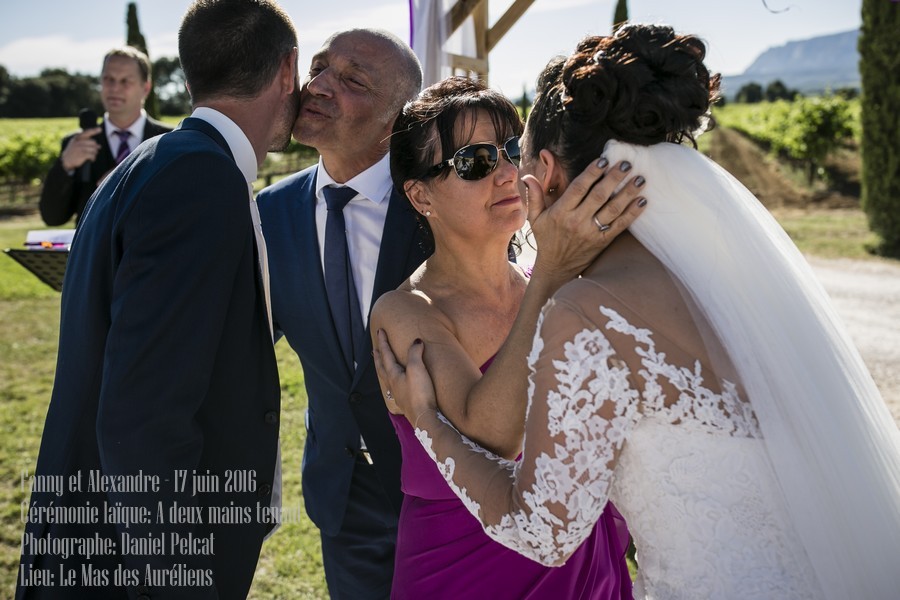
[454, 153]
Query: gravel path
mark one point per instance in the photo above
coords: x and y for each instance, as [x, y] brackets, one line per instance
[867, 297]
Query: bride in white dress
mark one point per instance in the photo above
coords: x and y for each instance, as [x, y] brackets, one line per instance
[696, 374]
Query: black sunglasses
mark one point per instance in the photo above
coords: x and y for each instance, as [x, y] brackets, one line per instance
[477, 161]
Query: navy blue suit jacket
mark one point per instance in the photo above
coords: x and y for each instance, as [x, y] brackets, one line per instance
[165, 364]
[342, 404]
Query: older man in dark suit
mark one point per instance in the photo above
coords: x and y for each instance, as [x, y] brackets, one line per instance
[124, 84]
[165, 406]
[357, 83]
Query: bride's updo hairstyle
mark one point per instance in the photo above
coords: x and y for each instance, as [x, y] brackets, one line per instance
[642, 85]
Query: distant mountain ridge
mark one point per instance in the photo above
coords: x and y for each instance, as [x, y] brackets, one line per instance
[815, 65]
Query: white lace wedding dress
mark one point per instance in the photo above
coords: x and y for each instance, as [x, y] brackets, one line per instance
[720, 404]
[679, 455]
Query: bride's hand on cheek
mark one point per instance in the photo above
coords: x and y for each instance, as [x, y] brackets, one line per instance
[587, 217]
[407, 390]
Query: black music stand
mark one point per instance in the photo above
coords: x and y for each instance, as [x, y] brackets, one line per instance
[45, 254]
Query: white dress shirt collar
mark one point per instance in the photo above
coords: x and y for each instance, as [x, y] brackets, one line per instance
[374, 183]
[237, 141]
[136, 129]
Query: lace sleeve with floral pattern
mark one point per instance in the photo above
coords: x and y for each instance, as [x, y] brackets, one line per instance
[583, 404]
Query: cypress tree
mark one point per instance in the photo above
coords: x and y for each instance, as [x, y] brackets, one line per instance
[136, 39]
[621, 14]
[879, 50]
[524, 103]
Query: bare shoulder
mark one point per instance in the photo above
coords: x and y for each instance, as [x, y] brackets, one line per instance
[404, 310]
[399, 302]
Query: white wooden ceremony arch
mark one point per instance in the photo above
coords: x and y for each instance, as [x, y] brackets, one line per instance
[433, 22]
[486, 37]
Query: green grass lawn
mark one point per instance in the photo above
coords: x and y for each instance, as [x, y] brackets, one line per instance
[832, 233]
[58, 127]
[290, 565]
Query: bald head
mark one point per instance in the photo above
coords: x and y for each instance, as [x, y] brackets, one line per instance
[357, 84]
[405, 68]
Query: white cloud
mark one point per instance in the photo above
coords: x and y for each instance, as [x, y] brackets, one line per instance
[29, 56]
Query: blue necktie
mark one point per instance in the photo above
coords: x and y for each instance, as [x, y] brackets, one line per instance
[339, 277]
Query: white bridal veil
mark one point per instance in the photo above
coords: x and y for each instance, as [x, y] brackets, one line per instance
[833, 444]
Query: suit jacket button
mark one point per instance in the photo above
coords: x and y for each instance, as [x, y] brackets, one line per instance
[264, 490]
[271, 417]
[355, 398]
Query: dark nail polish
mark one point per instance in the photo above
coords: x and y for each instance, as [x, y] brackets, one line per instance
[642, 202]
[625, 166]
[639, 181]
[417, 341]
[602, 163]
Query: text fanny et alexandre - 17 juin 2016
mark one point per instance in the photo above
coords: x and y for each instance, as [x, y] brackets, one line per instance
[175, 544]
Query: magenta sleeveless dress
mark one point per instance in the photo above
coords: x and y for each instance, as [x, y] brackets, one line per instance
[442, 551]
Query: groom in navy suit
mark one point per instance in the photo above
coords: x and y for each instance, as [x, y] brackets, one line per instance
[166, 397]
[339, 236]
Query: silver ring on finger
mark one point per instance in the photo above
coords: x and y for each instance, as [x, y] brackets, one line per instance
[389, 395]
[600, 225]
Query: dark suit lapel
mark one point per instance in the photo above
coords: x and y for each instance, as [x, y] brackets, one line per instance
[399, 255]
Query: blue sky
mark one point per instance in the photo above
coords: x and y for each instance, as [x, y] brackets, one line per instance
[35, 34]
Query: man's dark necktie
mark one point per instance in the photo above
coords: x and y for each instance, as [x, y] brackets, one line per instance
[123, 150]
[339, 276]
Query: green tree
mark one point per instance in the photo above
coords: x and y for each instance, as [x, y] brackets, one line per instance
[813, 128]
[879, 65]
[28, 97]
[750, 93]
[847, 93]
[171, 87]
[4, 85]
[776, 90]
[621, 14]
[54, 93]
[135, 38]
[524, 103]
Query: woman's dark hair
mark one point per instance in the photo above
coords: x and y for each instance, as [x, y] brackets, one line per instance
[642, 85]
[443, 116]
